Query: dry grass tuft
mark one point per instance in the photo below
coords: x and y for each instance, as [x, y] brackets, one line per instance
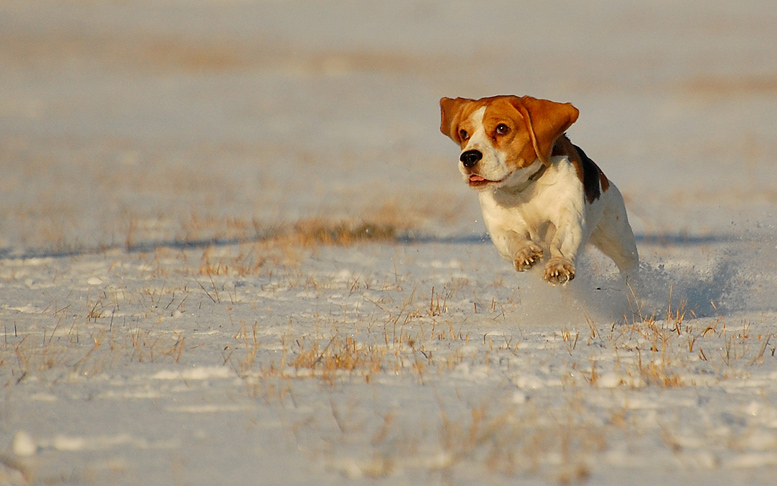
[314, 232]
[383, 225]
[340, 355]
[258, 246]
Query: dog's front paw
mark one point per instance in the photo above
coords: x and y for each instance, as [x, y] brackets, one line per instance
[525, 258]
[559, 270]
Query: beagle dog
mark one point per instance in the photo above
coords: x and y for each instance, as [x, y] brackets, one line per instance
[540, 194]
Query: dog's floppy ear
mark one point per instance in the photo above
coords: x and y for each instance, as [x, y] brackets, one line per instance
[450, 113]
[546, 121]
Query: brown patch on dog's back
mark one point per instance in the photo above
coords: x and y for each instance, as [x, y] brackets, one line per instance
[593, 179]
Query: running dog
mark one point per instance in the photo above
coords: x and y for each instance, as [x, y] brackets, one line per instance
[540, 194]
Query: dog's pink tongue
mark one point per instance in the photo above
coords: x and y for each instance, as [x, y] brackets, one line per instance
[476, 178]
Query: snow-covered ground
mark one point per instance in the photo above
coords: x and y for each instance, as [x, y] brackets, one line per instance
[235, 248]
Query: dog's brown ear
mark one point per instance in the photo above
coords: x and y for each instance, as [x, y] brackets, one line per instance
[450, 113]
[546, 121]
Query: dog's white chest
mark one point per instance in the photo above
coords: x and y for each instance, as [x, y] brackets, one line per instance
[535, 211]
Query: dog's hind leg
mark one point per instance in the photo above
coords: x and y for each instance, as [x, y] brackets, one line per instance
[613, 235]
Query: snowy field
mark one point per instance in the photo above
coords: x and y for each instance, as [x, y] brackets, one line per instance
[235, 248]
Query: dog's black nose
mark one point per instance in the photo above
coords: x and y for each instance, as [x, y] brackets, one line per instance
[470, 158]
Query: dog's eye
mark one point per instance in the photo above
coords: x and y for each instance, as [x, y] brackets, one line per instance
[463, 135]
[502, 129]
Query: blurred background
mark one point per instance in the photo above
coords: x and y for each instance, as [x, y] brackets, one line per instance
[123, 122]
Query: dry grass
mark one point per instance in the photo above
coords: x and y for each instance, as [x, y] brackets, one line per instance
[84, 352]
[407, 350]
[313, 232]
[307, 233]
[89, 334]
[418, 337]
[561, 442]
[423, 337]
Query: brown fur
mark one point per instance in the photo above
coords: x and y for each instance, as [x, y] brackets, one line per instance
[534, 124]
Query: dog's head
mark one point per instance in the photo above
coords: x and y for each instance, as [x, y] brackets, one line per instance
[502, 134]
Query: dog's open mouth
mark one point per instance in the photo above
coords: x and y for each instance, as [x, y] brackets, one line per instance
[477, 181]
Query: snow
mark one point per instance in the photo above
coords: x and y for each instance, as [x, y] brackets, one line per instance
[171, 316]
